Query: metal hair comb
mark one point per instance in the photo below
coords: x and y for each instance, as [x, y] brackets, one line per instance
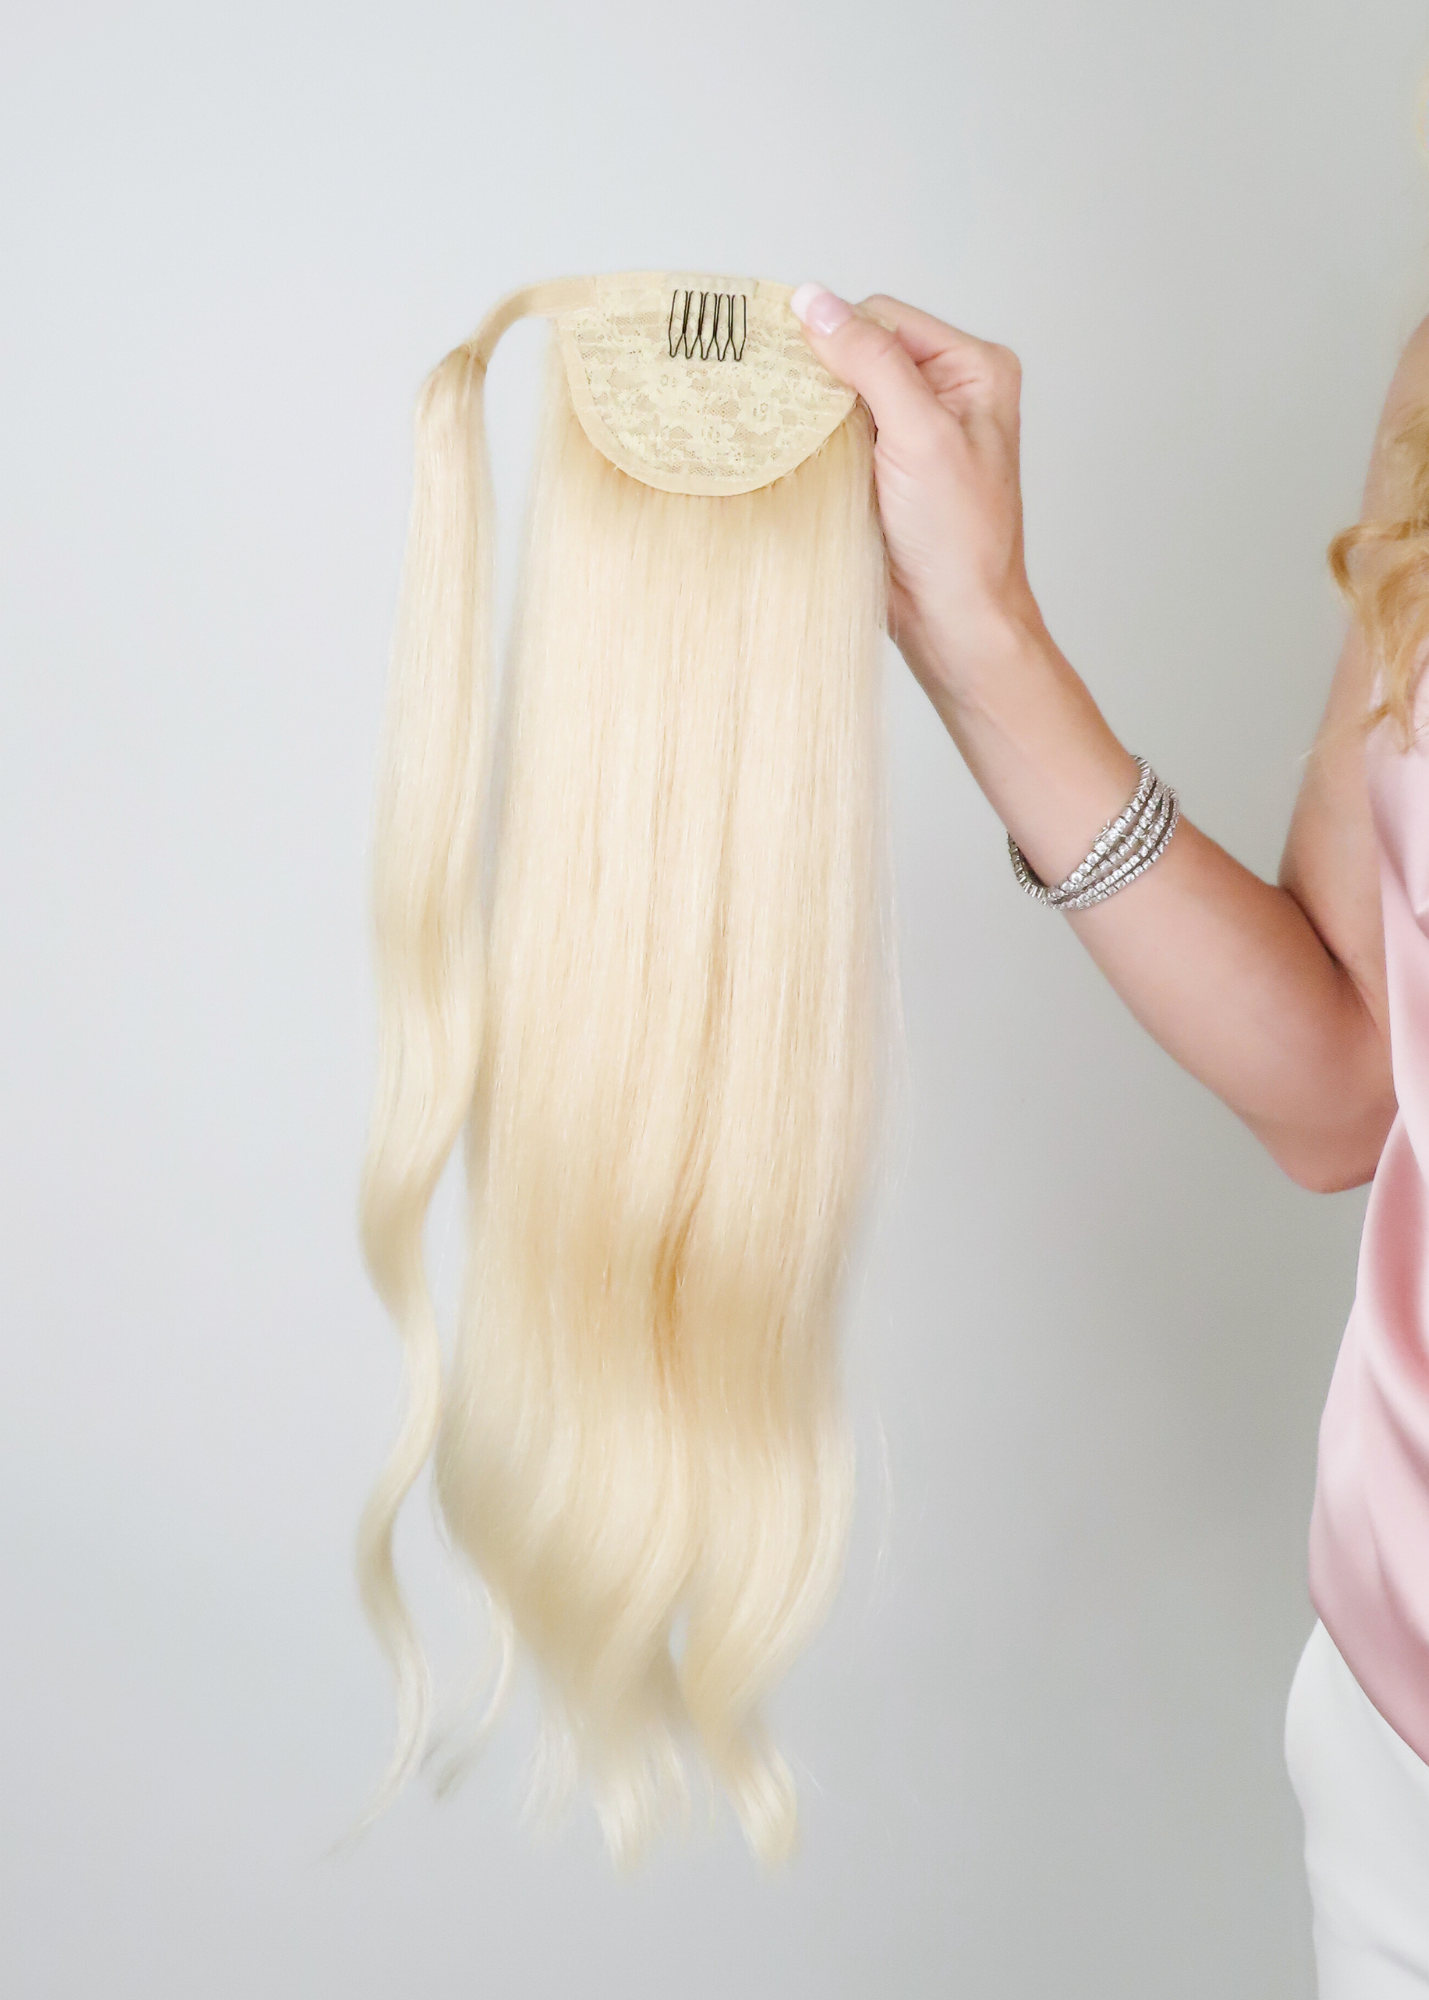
[709, 334]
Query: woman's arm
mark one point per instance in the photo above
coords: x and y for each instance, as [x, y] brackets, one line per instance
[1274, 996]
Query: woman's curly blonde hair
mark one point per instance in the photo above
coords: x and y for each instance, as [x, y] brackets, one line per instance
[1381, 568]
[1387, 588]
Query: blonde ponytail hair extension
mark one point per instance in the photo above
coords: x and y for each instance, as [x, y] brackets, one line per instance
[669, 1063]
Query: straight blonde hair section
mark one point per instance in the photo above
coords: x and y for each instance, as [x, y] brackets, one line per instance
[430, 973]
[669, 1064]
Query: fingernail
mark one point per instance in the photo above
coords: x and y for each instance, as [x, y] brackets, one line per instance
[820, 309]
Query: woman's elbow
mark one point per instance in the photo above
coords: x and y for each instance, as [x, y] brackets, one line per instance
[1329, 1160]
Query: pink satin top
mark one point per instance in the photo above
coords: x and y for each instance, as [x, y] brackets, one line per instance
[1369, 1531]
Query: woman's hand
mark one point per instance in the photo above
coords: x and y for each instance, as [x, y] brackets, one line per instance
[1272, 996]
[946, 406]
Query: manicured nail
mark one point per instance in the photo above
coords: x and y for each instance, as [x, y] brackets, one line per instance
[820, 309]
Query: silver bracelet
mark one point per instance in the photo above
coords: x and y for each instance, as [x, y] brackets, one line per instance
[1125, 848]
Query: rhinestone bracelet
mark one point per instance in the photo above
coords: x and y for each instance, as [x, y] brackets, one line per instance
[1125, 848]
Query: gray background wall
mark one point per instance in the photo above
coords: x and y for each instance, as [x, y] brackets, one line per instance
[1040, 1737]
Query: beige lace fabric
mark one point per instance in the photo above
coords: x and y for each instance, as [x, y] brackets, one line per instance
[686, 423]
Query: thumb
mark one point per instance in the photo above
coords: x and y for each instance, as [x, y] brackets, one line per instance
[870, 358]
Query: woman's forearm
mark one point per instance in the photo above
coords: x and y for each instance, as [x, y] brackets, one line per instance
[1226, 971]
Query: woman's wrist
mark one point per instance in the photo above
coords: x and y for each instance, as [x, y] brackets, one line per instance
[1029, 731]
[960, 652]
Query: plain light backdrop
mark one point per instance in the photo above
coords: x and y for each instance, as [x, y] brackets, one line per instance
[1040, 1738]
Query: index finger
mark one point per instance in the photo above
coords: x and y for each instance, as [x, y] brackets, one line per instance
[870, 357]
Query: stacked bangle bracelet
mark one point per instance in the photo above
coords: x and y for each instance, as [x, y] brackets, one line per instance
[1124, 849]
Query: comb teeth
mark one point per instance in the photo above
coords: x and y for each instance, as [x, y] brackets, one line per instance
[708, 326]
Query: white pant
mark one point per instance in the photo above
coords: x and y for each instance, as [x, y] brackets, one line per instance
[1365, 1797]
